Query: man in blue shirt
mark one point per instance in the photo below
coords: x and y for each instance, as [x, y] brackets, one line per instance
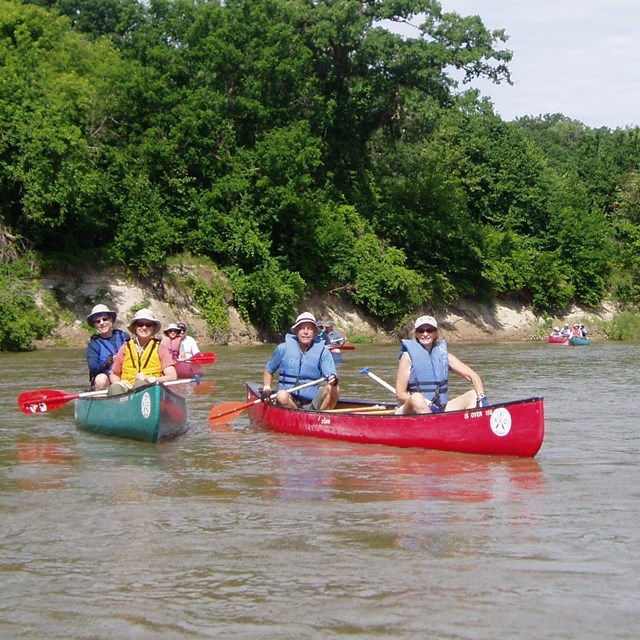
[301, 358]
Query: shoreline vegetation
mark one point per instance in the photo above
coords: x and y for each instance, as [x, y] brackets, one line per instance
[462, 321]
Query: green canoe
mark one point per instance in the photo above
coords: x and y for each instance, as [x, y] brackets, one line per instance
[579, 341]
[148, 413]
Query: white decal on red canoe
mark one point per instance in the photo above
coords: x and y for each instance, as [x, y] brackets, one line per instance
[500, 421]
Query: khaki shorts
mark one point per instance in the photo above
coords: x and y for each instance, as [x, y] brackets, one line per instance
[314, 405]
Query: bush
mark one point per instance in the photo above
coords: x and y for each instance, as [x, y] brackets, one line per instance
[21, 319]
[383, 285]
[213, 308]
[268, 296]
[624, 326]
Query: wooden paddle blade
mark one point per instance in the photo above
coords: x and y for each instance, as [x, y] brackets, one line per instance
[204, 357]
[43, 400]
[228, 411]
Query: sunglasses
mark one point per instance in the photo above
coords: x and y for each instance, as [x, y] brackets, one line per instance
[426, 330]
[173, 330]
[144, 324]
[99, 320]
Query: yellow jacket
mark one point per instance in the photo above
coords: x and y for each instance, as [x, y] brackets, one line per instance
[149, 363]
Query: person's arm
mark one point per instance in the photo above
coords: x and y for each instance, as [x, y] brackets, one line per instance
[93, 358]
[328, 367]
[267, 377]
[169, 372]
[464, 371]
[402, 378]
[273, 364]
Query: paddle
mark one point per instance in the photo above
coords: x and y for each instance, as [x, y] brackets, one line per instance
[386, 385]
[363, 409]
[228, 411]
[43, 400]
[373, 376]
[340, 347]
[204, 357]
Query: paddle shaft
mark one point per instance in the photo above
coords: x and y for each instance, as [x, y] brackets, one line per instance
[386, 385]
[238, 410]
[45, 400]
[364, 409]
[373, 376]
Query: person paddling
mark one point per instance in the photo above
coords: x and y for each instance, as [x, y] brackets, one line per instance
[422, 380]
[301, 358]
[141, 359]
[103, 345]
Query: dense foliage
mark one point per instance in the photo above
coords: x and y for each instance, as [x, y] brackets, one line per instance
[301, 146]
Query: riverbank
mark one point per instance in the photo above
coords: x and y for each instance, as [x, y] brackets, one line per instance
[463, 321]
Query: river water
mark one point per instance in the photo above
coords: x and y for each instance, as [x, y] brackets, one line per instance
[243, 533]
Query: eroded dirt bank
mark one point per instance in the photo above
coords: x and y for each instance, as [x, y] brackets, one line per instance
[463, 321]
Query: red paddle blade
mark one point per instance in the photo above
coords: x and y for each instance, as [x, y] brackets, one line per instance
[227, 411]
[206, 357]
[43, 400]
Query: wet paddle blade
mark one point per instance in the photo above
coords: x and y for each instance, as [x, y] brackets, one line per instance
[43, 400]
[204, 357]
[228, 411]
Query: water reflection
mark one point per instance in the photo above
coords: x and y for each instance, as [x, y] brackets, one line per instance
[313, 469]
[48, 460]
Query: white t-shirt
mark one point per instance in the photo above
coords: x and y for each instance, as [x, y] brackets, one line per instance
[188, 348]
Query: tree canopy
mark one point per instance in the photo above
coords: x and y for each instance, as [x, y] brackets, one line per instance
[300, 145]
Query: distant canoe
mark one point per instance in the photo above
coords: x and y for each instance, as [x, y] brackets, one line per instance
[149, 413]
[558, 339]
[579, 341]
[186, 369]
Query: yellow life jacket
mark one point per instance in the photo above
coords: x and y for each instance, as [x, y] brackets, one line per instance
[148, 363]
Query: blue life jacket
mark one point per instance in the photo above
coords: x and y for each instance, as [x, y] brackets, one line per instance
[99, 349]
[295, 369]
[429, 371]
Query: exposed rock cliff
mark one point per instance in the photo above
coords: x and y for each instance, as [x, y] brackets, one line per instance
[463, 321]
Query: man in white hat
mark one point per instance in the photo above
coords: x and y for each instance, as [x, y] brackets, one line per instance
[188, 346]
[103, 345]
[301, 358]
[422, 380]
[141, 360]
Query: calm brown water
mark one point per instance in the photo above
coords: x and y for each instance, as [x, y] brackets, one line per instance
[241, 533]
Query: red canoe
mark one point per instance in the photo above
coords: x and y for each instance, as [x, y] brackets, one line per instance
[506, 429]
[558, 339]
[186, 369]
